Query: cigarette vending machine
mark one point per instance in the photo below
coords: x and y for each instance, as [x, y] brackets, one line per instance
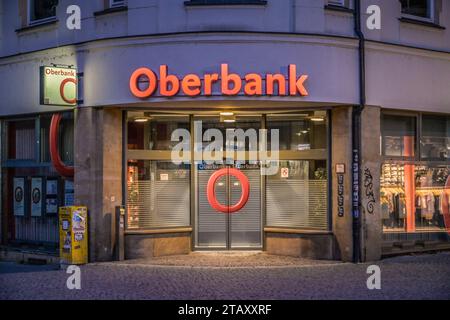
[73, 232]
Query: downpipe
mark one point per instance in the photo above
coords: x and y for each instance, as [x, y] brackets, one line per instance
[356, 138]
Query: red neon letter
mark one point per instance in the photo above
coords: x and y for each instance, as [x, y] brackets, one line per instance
[209, 79]
[280, 79]
[227, 78]
[253, 84]
[134, 79]
[164, 83]
[191, 85]
[296, 84]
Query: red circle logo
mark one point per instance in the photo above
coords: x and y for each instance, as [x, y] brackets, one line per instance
[61, 90]
[211, 190]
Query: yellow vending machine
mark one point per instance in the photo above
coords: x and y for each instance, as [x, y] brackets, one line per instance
[73, 232]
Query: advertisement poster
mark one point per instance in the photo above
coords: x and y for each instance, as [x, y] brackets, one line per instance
[36, 197]
[51, 205]
[68, 193]
[52, 187]
[19, 196]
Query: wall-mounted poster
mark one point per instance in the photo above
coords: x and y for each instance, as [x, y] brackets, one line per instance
[36, 196]
[51, 205]
[19, 196]
[52, 187]
[68, 193]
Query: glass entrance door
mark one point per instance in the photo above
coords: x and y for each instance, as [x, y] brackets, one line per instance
[240, 229]
[229, 230]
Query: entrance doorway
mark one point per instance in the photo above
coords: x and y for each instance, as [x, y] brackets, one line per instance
[241, 229]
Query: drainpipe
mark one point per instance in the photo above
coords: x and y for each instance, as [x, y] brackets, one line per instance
[356, 138]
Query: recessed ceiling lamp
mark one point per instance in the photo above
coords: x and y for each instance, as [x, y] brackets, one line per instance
[226, 113]
[317, 119]
[142, 119]
[227, 116]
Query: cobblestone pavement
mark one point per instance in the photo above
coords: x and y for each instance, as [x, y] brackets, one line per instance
[252, 277]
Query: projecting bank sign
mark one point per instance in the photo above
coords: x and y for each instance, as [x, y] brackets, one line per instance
[145, 83]
[58, 86]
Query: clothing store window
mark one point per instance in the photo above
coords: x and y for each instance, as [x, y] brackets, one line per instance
[415, 193]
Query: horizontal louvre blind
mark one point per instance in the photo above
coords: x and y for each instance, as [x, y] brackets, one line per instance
[157, 203]
[297, 203]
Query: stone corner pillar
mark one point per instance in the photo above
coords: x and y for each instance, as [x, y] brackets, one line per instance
[341, 154]
[98, 175]
[371, 226]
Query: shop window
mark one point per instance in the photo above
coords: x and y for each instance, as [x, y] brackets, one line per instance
[415, 197]
[398, 136]
[418, 9]
[300, 132]
[21, 140]
[158, 194]
[435, 140]
[41, 10]
[296, 197]
[153, 132]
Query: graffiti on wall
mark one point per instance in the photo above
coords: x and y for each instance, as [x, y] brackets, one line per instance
[368, 187]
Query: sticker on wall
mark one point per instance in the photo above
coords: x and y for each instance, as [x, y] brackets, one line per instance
[285, 172]
[164, 177]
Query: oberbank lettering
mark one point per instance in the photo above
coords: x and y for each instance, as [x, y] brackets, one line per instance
[252, 84]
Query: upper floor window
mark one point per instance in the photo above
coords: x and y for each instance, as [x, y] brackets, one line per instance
[336, 2]
[117, 3]
[419, 9]
[41, 10]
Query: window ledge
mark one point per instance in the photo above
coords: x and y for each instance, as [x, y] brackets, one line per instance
[194, 3]
[332, 7]
[37, 25]
[422, 23]
[158, 231]
[110, 10]
[296, 231]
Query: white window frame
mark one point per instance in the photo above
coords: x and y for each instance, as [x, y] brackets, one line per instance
[39, 21]
[115, 4]
[431, 8]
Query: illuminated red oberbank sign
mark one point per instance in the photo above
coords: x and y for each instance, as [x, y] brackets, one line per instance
[252, 84]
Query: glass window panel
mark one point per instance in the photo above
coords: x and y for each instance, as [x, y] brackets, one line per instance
[420, 8]
[296, 197]
[153, 132]
[435, 141]
[399, 135]
[415, 197]
[42, 9]
[158, 194]
[299, 132]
